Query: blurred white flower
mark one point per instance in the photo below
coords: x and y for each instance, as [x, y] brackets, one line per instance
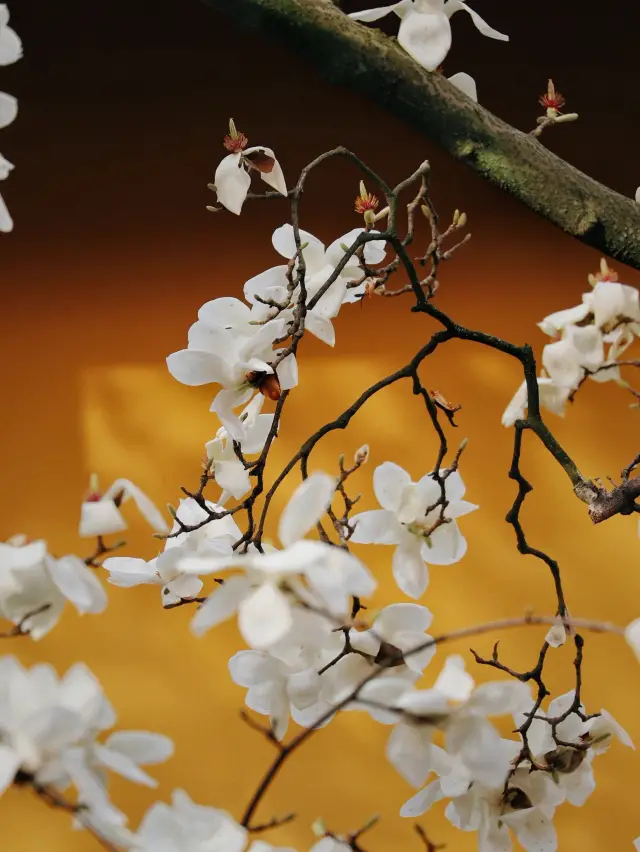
[405, 520]
[100, 512]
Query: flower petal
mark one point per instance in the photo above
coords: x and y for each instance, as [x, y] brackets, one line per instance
[77, 583]
[146, 507]
[195, 367]
[221, 604]
[466, 84]
[101, 517]
[232, 183]
[426, 37]
[8, 109]
[389, 481]
[141, 746]
[307, 505]
[264, 617]
[452, 6]
[409, 569]
[369, 15]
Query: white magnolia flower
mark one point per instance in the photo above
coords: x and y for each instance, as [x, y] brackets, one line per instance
[320, 264]
[399, 627]
[184, 826]
[404, 522]
[228, 471]
[237, 362]
[48, 730]
[100, 513]
[571, 768]
[262, 594]
[213, 539]
[10, 44]
[457, 707]
[232, 178]
[285, 680]
[34, 586]
[425, 31]
[580, 349]
[552, 397]
[612, 303]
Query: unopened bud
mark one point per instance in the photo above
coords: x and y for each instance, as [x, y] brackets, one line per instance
[569, 116]
[361, 455]
[456, 216]
[341, 459]
[462, 220]
[319, 828]
[370, 823]
[369, 217]
[233, 133]
[172, 510]
[159, 536]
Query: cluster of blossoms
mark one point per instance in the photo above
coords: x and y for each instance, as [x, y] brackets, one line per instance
[588, 342]
[35, 585]
[314, 645]
[10, 52]
[425, 33]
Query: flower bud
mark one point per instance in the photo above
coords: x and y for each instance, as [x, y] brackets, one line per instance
[462, 220]
[565, 760]
[361, 455]
[172, 510]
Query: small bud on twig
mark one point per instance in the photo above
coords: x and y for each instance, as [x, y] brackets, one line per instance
[361, 455]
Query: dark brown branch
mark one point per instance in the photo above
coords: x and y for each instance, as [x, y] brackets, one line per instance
[364, 59]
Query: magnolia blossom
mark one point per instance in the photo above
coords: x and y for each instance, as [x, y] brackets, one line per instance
[607, 305]
[232, 178]
[285, 680]
[48, 730]
[425, 30]
[228, 471]
[580, 349]
[552, 397]
[34, 586]
[457, 707]
[184, 826]
[270, 588]
[320, 263]
[406, 520]
[237, 362]
[214, 539]
[571, 768]
[100, 513]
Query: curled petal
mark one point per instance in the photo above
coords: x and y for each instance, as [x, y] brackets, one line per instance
[232, 183]
[367, 16]
[452, 6]
[307, 505]
[466, 84]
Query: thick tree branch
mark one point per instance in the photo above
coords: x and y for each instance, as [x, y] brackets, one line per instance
[370, 62]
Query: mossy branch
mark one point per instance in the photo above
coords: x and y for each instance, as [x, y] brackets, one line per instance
[364, 59]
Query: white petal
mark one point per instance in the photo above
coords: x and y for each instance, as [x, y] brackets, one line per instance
[499, 697]
[453, 681]
[6, 222]
[376, 527]
[8, 109]
[225, 312]
[275, 177]
[422, 801]
[10, 46]
[78, 583]
[369, 15]
[250, 668]
[446, 547]
[452, 6]
[195, 367]
[389, 481]
[283, 241]
[402, 617]
[288, 372]
[221, 604]
[466, 84]
[141, 746]
[126, 571]
[9, 765]
[224, 403]
[535, 831]
[264, 617]
[556, 322]
[426, 37]
[561, 362]
[123, 765]
[276, 277]
[409, 570]
[183, 587]
[146, 507]
[407, 750]
[320, 327]
[232, 183]
[233, 477]
[309, 502]
[632, 635]
[101, 517]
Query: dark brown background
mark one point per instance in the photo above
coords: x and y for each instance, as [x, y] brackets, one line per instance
[122, 109]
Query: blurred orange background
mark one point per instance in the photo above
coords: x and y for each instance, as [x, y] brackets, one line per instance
[122, 112]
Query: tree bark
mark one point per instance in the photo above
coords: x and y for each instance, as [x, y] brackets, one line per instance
[363, 58]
